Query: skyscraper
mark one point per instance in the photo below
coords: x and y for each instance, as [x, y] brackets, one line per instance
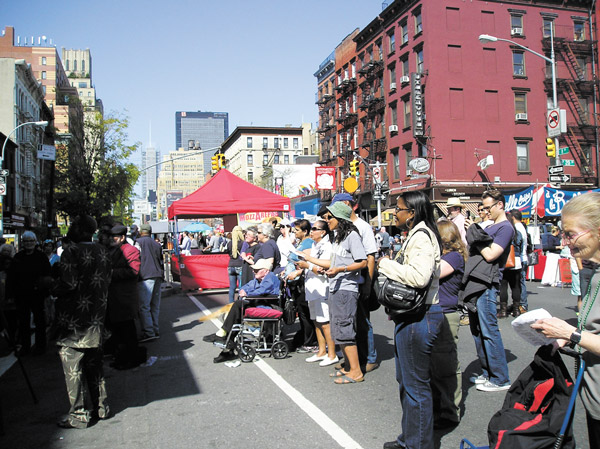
[207, 129]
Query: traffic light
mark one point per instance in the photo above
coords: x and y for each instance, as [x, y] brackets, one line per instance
[550, 147]
[354, 167]
[222, 161]
[214, 163]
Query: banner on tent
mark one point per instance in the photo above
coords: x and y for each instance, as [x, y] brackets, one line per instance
[521, 200]
[555, 199]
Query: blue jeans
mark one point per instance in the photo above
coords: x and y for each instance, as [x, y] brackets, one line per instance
[149, 293]
[371, 350]
[488, 341]
[235, 274]
[524, 287]
[414, 343]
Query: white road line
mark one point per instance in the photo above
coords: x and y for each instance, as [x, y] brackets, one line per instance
[319, 417]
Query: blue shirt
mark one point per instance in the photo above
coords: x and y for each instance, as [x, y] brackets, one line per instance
[268, 286]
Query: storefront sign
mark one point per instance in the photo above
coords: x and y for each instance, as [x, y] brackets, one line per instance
[325, 178]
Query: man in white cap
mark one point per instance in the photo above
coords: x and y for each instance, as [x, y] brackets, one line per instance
[455, 216]
[264, 283]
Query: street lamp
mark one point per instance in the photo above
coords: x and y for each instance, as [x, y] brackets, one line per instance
[486, 38]
[39, 123]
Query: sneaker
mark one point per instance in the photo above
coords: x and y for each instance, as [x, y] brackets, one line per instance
[327, 361]
[147, 339]
[213, 338]
[489, 386]
[307, 349]
[316, 358]
[478, 380]
[225, 356]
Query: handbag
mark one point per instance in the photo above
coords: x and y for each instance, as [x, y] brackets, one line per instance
[533, 258]
[399, 298]
[510, 262]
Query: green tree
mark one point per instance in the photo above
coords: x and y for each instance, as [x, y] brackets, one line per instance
[93, 174]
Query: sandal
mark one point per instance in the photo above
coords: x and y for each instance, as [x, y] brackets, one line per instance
[343, 379]
[337, 373]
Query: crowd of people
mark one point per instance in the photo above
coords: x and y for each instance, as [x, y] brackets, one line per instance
[104, 297]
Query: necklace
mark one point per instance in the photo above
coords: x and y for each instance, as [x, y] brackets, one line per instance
[585, 310]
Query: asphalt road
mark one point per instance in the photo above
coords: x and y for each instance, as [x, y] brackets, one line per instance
[185, 400]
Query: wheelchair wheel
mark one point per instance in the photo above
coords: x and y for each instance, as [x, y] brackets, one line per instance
[280, 350]
[246, 353]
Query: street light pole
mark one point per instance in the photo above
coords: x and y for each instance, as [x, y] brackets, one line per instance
[486, 38]
[38, 123]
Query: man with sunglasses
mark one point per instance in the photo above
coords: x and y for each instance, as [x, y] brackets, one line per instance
[483, 321]
[365, 341]
[484, 216]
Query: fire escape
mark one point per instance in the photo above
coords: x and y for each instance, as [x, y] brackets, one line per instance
[577, 91]
[373, 107]
[347, 118]
[326, 103]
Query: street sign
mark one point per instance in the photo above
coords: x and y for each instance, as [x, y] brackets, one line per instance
[377, 174]
[553, 122]
[568, 162]
[556, 170]
[562, 151]
[4, 172]
[2, 179]
[2, 189]
[561, 179]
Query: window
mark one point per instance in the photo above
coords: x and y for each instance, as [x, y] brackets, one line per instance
[67, 65]
[420, 67]
[249, 160]
[518, 63]
[579, 31]
[276, 142]
[404, 63]
[44, 89]
[250, 176]
[75, 65]
[249, 142]
[83, 65]
[276, 159]
[286, 159]
[285, 142]
[418, 23]
[406, 112]
[516, 25]
[43, 60]
[404, 32]
[586, 151]
[395, 164]
[408, 151]
[82, 85]
[585, 110]
[43, 75]
[265, 159]
[265, 142]
[392, 42]
[392, 72]
[582, 73]
[393, 115]
[353, 73]
[548, 27]
[296, 143]
[522, 157]
[520, 103]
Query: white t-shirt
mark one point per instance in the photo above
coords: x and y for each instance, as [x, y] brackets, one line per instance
[366, 235]
[286, 246]
[317, 286]
[521, 230]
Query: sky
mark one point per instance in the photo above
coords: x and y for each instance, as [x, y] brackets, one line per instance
[252, 59]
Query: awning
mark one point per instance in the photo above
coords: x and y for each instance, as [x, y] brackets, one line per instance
[471, 207]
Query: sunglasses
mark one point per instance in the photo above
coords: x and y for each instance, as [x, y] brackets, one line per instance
[327, 217]
[316, 229]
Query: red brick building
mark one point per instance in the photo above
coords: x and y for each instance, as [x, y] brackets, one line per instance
[427, 88]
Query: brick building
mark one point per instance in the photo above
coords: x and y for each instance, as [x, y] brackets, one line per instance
[430, 92]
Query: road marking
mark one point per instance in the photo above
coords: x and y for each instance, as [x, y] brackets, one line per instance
[318, 416]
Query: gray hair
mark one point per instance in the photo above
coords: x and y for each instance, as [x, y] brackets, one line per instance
[586, 208]
[29, 235]
[267, 229]
[7, 250]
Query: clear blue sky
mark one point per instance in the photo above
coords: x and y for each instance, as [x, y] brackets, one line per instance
[253, 59]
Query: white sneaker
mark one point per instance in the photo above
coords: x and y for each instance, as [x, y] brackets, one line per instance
[327, 361]
[316, 358]
[489, 386]
[478, 380]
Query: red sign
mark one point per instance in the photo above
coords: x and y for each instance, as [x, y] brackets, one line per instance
[325, 178]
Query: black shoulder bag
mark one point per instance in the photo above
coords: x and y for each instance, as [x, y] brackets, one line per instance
[401, 299]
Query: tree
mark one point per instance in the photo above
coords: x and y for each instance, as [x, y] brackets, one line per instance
[92, 172]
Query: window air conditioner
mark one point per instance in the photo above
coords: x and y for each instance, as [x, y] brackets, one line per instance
[405, 79]
[393, 128]
[392, 86]
[516, 31]
[521, 116]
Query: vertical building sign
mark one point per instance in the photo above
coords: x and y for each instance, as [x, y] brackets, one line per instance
[418, 117]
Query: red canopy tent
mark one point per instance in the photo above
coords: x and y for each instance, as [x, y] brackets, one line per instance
[223, 194]
[226, 194]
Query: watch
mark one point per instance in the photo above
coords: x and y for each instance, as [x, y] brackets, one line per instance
[575, 337]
